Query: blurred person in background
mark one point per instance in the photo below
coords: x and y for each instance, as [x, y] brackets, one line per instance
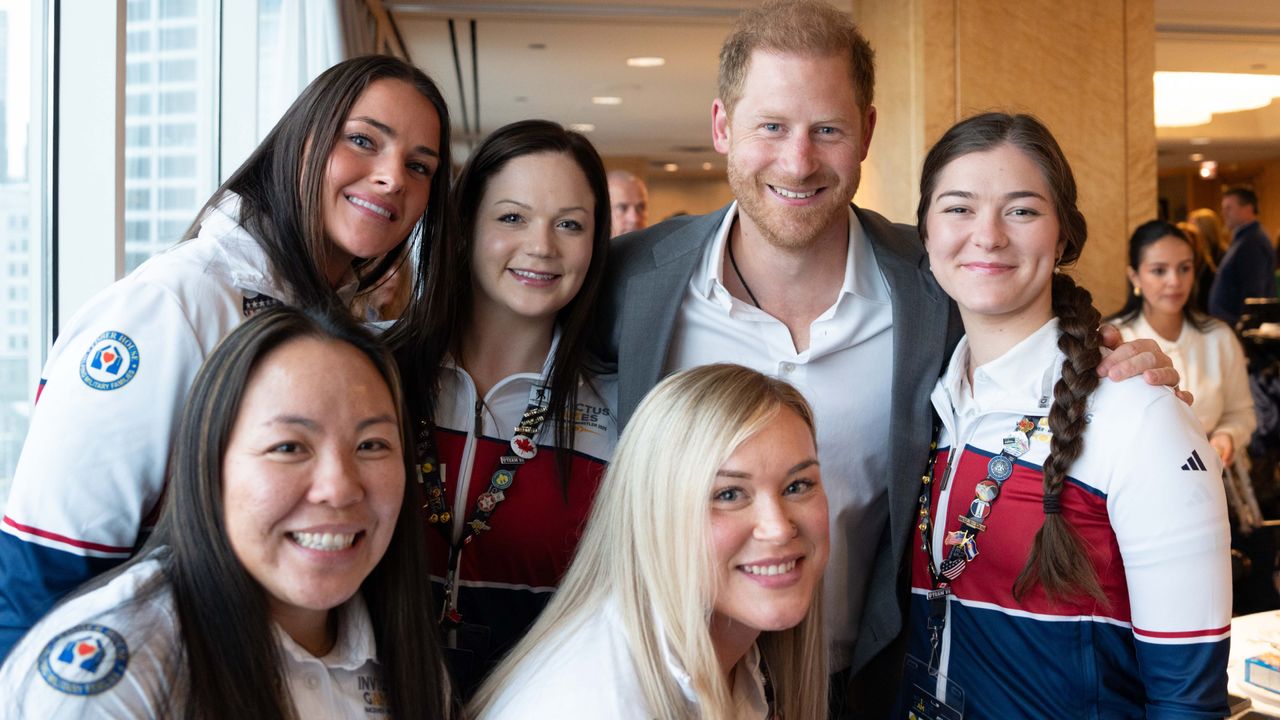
[1248, 268]
[629, 200]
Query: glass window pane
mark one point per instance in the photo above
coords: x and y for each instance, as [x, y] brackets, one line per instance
[174, 164]
[20, 251]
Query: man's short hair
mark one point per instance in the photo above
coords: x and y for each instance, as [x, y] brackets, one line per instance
[1244, 196]
[800, 27]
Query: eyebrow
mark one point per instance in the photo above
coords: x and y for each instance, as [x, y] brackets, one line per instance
[802, 465]
[312, 425]
[1015, 195]
[526, 206]
[390, 132]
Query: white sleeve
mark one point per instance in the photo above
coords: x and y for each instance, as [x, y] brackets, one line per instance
[93, 464]
[1168, 511]
[50, 677]
[1238, 416]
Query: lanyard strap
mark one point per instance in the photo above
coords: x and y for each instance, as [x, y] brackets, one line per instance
[963, 543]
[524, 447]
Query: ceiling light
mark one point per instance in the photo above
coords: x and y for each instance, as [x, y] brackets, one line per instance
[537, 46]
[646, 62]
[706, 166]
[1185, 99]
[582, 127]
[671, 167]
[1199, 141]
[606, 100]
[1208, 169]
[1196, 157]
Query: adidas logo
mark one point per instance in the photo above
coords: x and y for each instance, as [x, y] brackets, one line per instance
[1194, 462]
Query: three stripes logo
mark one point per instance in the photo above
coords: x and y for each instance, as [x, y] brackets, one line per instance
[1194, 462]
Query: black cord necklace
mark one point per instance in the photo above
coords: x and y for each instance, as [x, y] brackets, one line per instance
[734, 262]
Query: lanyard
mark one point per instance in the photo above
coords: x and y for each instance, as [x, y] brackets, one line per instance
[963, 543]
[523, 448]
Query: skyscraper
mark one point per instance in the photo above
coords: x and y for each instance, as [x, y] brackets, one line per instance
[168, 122]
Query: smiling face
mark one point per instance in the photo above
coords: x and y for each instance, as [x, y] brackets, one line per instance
[313, 478]
[533, 233]
[993, 237]
[1164, 275]
[769, 529]
[378, 178]
[795, 143]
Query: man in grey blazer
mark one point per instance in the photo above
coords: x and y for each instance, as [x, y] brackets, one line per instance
[794, 281]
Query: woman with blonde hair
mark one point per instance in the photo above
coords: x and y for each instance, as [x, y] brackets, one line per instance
[691, 595]
[1209, 241]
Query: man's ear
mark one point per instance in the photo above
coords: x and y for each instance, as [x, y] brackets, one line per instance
[720, 126]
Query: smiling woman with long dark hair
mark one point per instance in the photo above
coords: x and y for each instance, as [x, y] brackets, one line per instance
[514, 428]
[286, 578]
[1071, 553]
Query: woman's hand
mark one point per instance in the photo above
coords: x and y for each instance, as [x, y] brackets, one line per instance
[1226, 448]
[1144, 356]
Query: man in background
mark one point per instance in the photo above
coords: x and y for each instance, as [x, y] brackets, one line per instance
[1248, 267]
[629, 199]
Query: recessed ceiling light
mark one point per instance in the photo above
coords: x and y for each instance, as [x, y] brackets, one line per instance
[1196, 157]
[582, 127]
[646, 62]
[706, 166]
[1208, 169]
[1199, 141]
[606, 100]
[671, 167]
[537, 46]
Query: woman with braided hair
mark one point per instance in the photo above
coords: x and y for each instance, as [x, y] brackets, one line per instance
[1072, 549]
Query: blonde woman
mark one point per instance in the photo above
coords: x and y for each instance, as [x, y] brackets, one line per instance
[691, 595]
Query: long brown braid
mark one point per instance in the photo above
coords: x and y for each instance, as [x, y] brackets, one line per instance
[1057, 560]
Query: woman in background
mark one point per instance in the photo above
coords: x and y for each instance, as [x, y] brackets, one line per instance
[694, 592]
[286, 578]
[1204, 351]
[514, 430]
[320, 209]
[1073, 557]
[1209, 249]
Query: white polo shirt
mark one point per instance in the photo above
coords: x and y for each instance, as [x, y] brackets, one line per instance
[587, 671]
[107, 653]
[846, 374]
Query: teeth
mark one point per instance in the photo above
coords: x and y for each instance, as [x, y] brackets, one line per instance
[793, 195]
[324, 541]
[370, 206]
[533, 275]
[770, 569]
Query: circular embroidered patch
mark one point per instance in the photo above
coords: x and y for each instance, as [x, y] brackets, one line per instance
[111, 362]
[85, 660]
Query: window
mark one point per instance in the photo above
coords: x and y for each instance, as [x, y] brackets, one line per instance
[172, 103]
[177, 198]
[183, 38]
[20, 200]
[176, 165]
[177, 71]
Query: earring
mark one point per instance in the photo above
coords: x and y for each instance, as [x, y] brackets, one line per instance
[1137, 291]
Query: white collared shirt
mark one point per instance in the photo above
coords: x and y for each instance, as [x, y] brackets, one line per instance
[106, 653]
[588, 672]
[846, 375]
[1211, 365]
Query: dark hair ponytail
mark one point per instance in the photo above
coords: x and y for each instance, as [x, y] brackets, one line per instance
[1058, 561]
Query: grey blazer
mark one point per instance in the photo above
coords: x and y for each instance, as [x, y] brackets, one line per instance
[648, 275]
